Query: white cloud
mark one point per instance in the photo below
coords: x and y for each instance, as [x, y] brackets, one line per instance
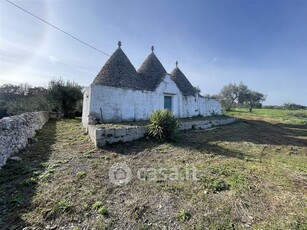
[53, 59]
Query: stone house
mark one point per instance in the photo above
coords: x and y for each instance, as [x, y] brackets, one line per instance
[121, 93]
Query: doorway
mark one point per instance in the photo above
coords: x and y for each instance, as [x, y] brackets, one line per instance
[168, 102]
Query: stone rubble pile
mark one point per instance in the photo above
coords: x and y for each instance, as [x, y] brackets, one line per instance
[16, 130]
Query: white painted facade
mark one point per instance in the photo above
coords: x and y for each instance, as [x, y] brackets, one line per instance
[112, 104]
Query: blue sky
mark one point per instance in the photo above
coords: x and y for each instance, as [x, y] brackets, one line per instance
[261, 43]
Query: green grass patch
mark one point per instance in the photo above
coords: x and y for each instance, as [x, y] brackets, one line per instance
[80, 175]
[184, 215]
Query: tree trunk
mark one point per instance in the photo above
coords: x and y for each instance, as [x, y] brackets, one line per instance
[250, 108]
[229, 106]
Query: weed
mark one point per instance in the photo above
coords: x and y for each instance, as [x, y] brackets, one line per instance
[28, 182]
[80, 175]
[61, 207]
[97, 204]
[184, 215]
[238, 181]
[214, 184]
[103, 211]
[85, 207]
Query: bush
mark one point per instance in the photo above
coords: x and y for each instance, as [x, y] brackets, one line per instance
[163, 125]
[31, 104]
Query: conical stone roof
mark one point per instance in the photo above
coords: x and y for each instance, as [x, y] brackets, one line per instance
[182, 82]
[151, 72]
[118, 72]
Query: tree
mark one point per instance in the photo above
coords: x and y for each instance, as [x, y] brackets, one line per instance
[30, 104]
[230, 94]
[240, 95]
[15, 99]
[65, 96]
[251, 98]
[293, 106]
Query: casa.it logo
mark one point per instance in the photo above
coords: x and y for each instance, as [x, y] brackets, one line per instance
[120, 174]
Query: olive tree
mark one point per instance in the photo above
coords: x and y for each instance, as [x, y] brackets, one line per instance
[233, 94]
[251, 99]
[65, 96]
[230, 94]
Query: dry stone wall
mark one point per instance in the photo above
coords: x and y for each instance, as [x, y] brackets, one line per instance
[15, 132]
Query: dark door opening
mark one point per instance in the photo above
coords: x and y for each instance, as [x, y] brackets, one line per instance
[168, 102]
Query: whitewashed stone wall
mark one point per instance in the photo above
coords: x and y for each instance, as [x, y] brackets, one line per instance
[205, 124]
[209, 107]
[15, 132]
[111, 104]
[103, 136]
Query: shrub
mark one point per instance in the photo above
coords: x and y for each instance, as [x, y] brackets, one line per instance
[163, 125]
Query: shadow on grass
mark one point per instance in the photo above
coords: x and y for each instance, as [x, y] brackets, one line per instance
[132, 148]
[253, 131]
[18, 180]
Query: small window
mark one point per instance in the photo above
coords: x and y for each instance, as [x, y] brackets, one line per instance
[168, 102]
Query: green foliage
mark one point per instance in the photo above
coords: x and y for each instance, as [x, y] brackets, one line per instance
[230, 94]
[80, 175]
[65, 95]
[240, 95]
[279, 115]
[28, 182]
[184, 215]
[238, 181]
[214, 184]
[16, 99]
[251, 99]
[60, 96]
[62, 206]
[31, 104]
[103, 211]
[292, 106]
[163, 125]
[97, 205]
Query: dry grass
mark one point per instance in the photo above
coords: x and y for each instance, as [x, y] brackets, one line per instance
[252, 174]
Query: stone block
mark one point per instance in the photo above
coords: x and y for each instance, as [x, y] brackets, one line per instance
[100, 143]
[127, 138]
[132, 131]
[120, 132]
[99, 133]
[109, 133]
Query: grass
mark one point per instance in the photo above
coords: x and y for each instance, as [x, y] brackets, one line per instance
[251, 174]
[273, 115]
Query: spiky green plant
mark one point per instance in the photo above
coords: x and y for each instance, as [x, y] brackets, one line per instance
[163, 125]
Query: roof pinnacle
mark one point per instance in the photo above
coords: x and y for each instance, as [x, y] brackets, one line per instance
[176, 64]
[152, 48]
[119, 43]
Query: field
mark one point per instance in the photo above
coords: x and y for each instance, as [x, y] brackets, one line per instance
[248, 175]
